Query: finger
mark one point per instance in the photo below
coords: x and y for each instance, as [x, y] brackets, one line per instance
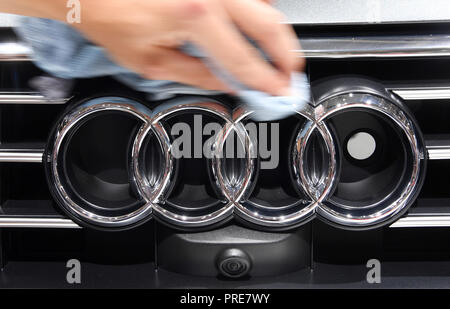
[216, 34]
[169, 64]
[264, 24]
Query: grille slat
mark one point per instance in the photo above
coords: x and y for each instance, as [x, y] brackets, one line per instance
[38, 223]
[21, 156]
[27, 98]
[323, 48]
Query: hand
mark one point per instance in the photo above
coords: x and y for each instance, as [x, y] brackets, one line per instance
[143, 35]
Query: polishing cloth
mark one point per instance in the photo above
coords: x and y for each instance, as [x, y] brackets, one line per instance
[66, 54]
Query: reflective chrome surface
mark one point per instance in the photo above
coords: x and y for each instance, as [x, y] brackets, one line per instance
[21, 155]
[285, 216]
[441, 220]
[27, 98]
[376, 104]
[376, 46]
[411, 221]
[65, 127]
[14, 51]
[423, 93]
[237, 189]
[317, 187]
[8, 20]
[38, 223]
[235, 193]
[438, 152]
[324, 47]
[155, 194]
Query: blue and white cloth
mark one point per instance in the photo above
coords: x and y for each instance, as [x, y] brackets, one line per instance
[65, 53]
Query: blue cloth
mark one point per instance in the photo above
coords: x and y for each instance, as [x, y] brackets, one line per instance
[65, 53]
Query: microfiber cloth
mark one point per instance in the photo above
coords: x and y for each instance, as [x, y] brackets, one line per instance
[66, 54]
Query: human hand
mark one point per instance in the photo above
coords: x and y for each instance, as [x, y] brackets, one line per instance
[144, 36]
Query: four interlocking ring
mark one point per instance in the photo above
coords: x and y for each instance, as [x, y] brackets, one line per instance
[315, 185]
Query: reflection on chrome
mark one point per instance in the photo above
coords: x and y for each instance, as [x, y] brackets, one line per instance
[84, 210]
[385, 207]
[316, 165]
[156, 194]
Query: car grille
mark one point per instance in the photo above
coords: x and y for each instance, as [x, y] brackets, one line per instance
[384, 86]
[406, 67]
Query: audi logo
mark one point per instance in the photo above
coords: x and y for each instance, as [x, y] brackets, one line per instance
[354, 159]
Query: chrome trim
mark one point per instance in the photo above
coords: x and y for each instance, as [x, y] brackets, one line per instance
[152, 192]
[249, 147]
[58, 223]
[65, 126]
[157, 195]
[376, 46]
[317, 118]
[323, 47]
[424, 93]
[27, 98]
[268, 217]
[8, 20]
[320, 192]
[438, 152]
[21, 156]
[380, 105]
[422, 221]
[14, 51]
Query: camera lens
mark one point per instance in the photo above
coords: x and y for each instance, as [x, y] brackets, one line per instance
[234, 263]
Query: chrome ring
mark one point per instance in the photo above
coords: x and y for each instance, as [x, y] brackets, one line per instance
[161, 113]
[235, 195]
[80, 113]
[152, 192]
[318, 192]
[250, 153]
[380, 105]
[302, 211]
